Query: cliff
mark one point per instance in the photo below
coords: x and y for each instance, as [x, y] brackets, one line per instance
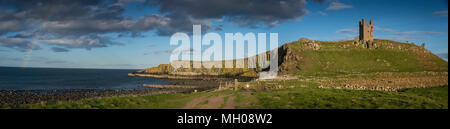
[306, 57]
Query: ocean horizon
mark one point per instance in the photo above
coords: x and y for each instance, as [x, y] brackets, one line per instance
[27, 78]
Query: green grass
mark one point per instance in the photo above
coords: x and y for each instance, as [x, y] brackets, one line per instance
[333, 59]
[315, 98]
[225, 100]
[292, 98]
[203, 102]
[160, 101]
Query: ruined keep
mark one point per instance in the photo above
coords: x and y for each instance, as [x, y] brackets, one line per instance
[366, 30]
[365, 38]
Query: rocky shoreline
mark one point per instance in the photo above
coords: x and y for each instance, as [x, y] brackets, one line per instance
[19, 97]
[15, 98]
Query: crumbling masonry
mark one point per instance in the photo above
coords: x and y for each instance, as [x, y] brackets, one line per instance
[365, 38]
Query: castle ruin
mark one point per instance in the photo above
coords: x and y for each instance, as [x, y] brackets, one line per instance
[365, 38]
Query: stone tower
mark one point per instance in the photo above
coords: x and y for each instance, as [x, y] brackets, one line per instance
[366, 30]
[365, 37]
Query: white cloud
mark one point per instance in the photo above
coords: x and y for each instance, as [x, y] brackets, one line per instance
[409, 35]
[441, 13]
[85, 42]
[376, 28]
[18, 44]
[322, 13]
[348, 31]
[338, 6]
[391, 34]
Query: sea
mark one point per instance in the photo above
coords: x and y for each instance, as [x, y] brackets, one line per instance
[16, 78]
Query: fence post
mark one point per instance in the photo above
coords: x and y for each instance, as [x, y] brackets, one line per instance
[236, 83]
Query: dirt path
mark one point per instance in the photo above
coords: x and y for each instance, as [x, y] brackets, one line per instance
[194, 102]
[230, 104]
[222, 101]
[213, 102]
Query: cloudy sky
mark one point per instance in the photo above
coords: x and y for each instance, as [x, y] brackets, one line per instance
[123, 34]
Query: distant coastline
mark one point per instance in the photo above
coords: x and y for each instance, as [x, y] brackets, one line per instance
[190, 77]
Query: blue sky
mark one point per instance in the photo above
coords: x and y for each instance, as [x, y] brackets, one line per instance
[419, 21]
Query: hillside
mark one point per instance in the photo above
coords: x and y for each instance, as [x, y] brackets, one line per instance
[343, 57]
[306, 57]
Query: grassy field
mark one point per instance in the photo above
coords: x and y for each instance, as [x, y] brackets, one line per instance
[313, 98]
[298, 97]
[343, 57]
